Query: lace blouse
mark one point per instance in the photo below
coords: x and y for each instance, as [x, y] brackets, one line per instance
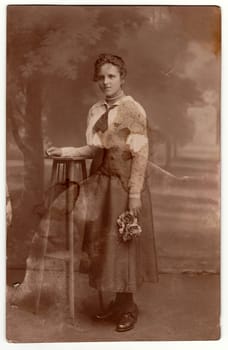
[127, 129]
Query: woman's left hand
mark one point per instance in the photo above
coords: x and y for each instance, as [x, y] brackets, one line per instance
[135, 205]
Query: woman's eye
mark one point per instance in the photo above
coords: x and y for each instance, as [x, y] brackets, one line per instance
[102, 78]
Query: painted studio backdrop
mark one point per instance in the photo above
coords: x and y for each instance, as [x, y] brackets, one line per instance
[172, 54]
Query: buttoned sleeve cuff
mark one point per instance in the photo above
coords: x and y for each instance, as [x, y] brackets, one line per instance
[134, 195]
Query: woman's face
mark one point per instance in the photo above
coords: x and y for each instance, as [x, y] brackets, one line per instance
[109, 80]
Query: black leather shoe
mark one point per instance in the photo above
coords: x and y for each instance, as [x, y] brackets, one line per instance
[107, 314]
[127, 322]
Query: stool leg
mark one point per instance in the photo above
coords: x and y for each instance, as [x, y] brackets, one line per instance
[84, 172]
[58, 172]
[52, 182]
[70, 233]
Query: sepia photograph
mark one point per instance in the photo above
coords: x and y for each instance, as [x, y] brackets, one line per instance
[113, 166]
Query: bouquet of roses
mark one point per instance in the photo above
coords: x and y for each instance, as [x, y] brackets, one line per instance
[128, 226]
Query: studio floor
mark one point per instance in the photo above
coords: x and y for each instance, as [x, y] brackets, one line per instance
[183, 306]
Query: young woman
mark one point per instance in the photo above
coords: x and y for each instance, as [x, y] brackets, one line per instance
[117, 141]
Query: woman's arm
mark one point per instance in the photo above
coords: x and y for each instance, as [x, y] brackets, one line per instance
[136, 181]
[138, 170]
[84, 151]
[139, 146]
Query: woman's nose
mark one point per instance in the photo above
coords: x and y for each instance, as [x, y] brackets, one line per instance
[106, 80]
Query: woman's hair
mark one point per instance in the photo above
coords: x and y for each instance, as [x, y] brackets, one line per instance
[109, 58]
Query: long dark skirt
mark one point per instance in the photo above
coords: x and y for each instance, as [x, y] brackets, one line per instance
[114, 265]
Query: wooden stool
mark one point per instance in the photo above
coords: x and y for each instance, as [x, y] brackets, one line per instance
[63, 172]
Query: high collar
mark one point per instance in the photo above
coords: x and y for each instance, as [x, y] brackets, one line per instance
[116, 102]
[112, 100]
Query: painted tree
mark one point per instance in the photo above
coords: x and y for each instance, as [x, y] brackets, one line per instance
[44, 43]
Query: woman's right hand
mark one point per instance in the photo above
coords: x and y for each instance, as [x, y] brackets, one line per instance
[54, 152]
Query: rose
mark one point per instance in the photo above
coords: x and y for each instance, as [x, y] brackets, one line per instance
[133, 230]
[126, 236]
[128, 226]
[120, 222]
[121, 230]
[128, 218]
